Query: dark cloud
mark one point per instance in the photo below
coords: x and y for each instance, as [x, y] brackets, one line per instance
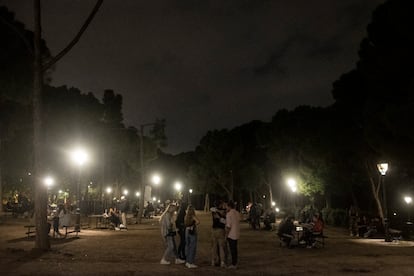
[205, 64]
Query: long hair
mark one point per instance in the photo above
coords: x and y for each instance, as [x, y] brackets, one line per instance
[189, 217]
[168, 209]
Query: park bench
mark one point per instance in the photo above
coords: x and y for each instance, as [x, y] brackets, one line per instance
[31, 229]
[71, 229]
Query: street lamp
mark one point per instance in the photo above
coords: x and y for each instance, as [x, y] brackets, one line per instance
[49, 181]
[178, 186]
[383, 168]
[79, 157]
[292, 185]
[408, 200]
[156, 180]
[190, 191]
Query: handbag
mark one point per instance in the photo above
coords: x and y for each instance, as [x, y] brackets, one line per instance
[192, 230]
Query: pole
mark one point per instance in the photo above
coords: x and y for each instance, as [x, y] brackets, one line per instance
[142, 185]
[386, 223]
[77, 223]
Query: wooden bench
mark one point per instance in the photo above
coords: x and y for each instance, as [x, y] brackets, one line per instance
[71, 229]
[31, 229]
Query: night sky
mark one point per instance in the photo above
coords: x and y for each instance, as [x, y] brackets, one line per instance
[206, 64]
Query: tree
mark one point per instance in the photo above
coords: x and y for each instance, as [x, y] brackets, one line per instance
[42, 241]
[377, 95]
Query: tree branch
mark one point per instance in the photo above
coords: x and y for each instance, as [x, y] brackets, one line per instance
[75, 40]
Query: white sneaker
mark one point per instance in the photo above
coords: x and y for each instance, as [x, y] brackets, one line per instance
[117, 228]
[164, 262]
[191, 265]
[179, 261]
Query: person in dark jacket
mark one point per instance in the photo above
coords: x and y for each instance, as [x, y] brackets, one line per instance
[179, 223]
[286, 231]
[218, 235]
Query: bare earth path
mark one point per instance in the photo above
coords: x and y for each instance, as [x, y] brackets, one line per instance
[138, 252]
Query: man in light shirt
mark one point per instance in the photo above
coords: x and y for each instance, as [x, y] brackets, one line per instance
[232, 231]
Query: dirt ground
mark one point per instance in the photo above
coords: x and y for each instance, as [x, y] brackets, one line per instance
[139, 250]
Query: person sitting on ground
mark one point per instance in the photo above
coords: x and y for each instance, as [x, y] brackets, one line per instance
[286, 231]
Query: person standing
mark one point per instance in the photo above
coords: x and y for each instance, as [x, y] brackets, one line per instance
[191, 221]
[232, 232]
[123, 207]
[218, 235]
[353, 221]
[168, 236]
[179, 223]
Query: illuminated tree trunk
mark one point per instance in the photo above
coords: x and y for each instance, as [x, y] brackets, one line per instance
[42, 239]
[376, 194]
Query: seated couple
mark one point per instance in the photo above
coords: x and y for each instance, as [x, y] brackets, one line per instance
[114, 219]
[287, 231]
[312, 230]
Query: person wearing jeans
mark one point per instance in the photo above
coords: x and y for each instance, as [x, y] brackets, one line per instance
[168, 236]
[232, 232]
[191, 221]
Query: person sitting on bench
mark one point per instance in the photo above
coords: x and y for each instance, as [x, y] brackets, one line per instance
[315, 229]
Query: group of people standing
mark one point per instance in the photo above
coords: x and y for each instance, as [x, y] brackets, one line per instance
[225, 227]
[58, 217]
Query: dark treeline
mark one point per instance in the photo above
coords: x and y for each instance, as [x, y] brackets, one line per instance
[332, 151]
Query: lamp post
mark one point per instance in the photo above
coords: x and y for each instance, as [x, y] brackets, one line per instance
[383, 168]
[79, 157]
[49, 181]
[156, 180]
[108, 197]
[142, 161]
[292, 184]
[408, 200]
[190, 191]
[178, 186]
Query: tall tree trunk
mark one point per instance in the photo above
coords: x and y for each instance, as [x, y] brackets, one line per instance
[270, 192]
[42, 238]
[376, 193]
